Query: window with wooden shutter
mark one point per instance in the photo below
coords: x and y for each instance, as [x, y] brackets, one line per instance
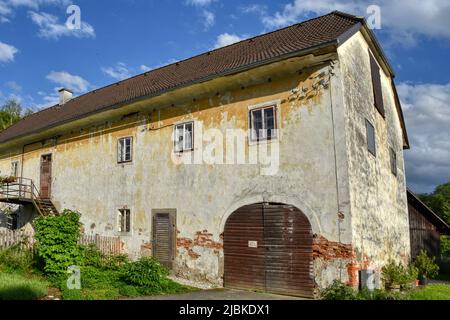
[393, 157]
[376, 83]
[371, 146]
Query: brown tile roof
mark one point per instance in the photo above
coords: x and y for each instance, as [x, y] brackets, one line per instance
[244, 54]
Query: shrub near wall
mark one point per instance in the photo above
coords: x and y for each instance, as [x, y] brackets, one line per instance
[57, 242]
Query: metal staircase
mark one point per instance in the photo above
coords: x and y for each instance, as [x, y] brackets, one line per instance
[23, 191]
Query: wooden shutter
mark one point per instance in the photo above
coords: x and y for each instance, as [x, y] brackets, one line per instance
[163, 238]
[376, 83]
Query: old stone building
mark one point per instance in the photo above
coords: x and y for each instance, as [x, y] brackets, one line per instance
[275, 163]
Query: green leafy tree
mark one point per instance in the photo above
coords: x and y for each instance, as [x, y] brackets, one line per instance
[439, 202]
[11, 112]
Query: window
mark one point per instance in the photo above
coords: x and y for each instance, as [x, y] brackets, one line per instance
[393, 157]
[371, 138]
[14, 168]
[376, 83]
[263, 123]
[184, 137]
[124, 150]
[124, 220]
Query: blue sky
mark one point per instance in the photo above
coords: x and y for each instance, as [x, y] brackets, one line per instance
[121, 38]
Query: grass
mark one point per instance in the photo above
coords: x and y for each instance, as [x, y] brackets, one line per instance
[431, 292]
[15, 286]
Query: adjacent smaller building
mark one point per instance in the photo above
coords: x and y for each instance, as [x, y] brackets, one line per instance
[425, 226]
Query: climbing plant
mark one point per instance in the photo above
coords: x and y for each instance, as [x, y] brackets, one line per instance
[57, 242]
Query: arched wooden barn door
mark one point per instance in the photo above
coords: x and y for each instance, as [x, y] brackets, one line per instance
[268, 247]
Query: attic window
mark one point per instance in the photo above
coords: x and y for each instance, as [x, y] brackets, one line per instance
[124, 150]
[376, 84]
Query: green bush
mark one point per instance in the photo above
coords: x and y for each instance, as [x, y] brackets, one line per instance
[57, 242]
[379, 294]
[15, 259]
[146, 272]
[92, 256]
[338, 291]
[426, 266]
[397, 275]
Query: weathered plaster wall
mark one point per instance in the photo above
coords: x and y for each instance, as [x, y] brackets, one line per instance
[378, 204]
[87, 178]
[357, 209]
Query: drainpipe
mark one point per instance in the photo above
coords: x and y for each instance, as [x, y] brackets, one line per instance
[340, 215]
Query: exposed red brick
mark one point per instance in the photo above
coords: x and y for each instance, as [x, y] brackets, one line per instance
[328, 250]
[201, 239]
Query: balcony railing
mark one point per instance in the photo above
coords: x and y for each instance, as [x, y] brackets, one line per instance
[19, 189]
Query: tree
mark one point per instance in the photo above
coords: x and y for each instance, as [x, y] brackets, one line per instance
[11, 112]
[439, 202]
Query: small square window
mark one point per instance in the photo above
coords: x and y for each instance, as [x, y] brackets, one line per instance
[393, 157]
[184, 137]
[124, 150]
[371, 138]
[14, 168]
[124, 221]
[263, 124]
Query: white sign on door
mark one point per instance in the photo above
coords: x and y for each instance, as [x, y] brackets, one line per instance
[253, 244]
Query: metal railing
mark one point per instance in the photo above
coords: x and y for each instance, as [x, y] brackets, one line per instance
[20, 189]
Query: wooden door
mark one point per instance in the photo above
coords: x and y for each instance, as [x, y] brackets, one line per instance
[288, 241]
[46, 176]
[269, 247]
[163, 238]
[244, 249]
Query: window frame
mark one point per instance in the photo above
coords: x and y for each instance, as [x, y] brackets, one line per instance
[393, 161]
[119, 153]
[175, 142]
[15, 165]
[368, 137]
[120, 214]
[253, 132]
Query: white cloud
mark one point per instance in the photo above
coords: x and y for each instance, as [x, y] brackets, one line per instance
[119, 72]
[226, 39]
[69, 81]
[199, 3]
[4, 9]
[209, 19]
[49, 27]
[427, 115]
[400, 18]
[255, 8]
[144, 68]
[7, 7]
[7, 52]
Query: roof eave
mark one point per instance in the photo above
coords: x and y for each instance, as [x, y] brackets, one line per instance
[298, 53]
